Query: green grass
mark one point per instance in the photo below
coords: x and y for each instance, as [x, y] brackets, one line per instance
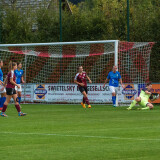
[69, 132]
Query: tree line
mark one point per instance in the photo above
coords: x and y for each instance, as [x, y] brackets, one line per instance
[89, 20]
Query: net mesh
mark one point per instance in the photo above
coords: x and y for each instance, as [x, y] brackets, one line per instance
[134, 61]
[57, 64]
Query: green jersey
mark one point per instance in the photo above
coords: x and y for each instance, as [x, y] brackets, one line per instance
[144, 95]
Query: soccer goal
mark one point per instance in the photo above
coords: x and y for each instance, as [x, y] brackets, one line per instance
[49, 69]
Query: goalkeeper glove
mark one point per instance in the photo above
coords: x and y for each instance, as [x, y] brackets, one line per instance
[154, 96]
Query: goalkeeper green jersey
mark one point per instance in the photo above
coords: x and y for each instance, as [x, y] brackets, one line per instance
[144, 95]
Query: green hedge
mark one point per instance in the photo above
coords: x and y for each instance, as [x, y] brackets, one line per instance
[99, 20]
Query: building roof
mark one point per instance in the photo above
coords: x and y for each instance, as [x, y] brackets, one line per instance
[76, 1]
[26, 3]
[35, 4]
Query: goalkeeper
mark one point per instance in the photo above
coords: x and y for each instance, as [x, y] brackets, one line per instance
[143, 98]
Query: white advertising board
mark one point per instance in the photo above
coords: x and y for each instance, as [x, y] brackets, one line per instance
[69, 93]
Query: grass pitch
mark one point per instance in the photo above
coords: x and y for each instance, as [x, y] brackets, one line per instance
[69, 132]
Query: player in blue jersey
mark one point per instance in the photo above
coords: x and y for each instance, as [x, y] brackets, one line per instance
[2, 87]
[19, 78]
[114, 77]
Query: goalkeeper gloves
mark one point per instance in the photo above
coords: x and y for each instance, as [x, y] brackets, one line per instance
[154, 96]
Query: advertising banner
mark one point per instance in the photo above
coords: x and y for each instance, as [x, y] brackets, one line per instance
[27, 92]
[69, 93]
[155, 89]
[128, 93]
[40, 92]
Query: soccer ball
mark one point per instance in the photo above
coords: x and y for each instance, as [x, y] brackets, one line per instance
[154, 96]
[157, 96]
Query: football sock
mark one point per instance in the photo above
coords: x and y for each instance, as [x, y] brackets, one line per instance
[4, 108]
[2, 101]
[19, 100]
[145, 108]
[18, 107]
[114, 100]
[84, 100]
[133, 104]
[87, 101]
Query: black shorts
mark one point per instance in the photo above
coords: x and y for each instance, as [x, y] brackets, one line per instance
[83, 89]
[10, 91]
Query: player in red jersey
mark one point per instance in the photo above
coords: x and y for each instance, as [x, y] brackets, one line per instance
[10, 90]
[80, 79]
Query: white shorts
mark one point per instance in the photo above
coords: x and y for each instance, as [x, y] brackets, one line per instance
[18, 89]
[113, 89]
[2, 89]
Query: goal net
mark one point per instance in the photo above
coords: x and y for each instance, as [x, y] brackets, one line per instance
[50, 68]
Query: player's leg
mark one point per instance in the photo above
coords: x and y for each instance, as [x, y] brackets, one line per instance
[19, 97]
[8, 98]
[0, 98]
[3, 98]
[116, 92]
[150, 105]
[112, 89]
[134, 102]
[83, 101]
[17, 105]
[19, 91]
[86, 98]
[146, 105]
[86, 90]
[1, 102]
[81, 89]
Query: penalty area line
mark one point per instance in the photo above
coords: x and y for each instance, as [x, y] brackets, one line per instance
[82, 136]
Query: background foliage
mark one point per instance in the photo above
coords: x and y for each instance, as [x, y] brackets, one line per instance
[89, 20]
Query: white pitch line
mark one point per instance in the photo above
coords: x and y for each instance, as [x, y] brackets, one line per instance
[82, 136]
[108, 129]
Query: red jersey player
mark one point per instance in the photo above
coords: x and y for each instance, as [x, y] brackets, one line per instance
[80, 79]
[10, 90]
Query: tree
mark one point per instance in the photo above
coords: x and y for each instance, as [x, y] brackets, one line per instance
[16, 27]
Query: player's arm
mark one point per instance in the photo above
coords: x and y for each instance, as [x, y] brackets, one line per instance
[89, 79]
[107, 79]
[81, 84]
[147, 92]
[11, 80]
[22, 79]
[5, 81]
[75, 81]
[105, 82]
[121, 82]
[1, 83]
[120, 79]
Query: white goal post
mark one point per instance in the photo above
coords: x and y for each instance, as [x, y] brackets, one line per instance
[49, 68]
